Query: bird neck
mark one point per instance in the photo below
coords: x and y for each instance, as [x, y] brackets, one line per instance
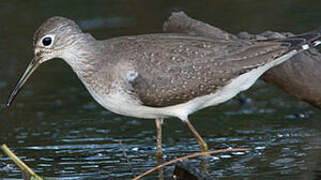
[83, 56]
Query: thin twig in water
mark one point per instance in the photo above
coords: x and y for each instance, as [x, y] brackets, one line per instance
[127, 159]
[187, 157]
[19, 163]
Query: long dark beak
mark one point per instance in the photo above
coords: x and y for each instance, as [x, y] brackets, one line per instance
[30, 69]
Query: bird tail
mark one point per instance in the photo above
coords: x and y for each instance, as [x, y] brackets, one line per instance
[303, 41]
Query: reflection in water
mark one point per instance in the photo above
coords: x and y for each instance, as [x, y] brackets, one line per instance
[59, 131]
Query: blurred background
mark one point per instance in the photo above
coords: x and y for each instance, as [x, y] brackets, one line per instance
[57, 128]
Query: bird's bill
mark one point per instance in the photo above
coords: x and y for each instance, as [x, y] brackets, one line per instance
[30, 69]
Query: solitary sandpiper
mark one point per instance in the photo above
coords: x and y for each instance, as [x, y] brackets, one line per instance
[156, 76]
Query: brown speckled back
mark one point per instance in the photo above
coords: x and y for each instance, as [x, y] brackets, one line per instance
[174, 68]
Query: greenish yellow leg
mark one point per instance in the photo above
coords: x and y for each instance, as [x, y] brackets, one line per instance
[199, 139]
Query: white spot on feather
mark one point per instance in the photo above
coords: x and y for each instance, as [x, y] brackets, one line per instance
[132, 75]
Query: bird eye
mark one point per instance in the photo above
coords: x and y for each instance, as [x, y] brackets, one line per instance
[46, 41]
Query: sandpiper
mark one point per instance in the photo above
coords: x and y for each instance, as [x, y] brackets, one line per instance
[156, 76]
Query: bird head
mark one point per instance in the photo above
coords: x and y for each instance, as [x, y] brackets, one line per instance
[50, 41]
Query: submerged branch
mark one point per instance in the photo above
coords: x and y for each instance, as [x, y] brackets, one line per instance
[187, 157]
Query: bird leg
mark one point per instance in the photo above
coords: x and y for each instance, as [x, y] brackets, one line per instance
[159, 151]
[202, 144]
[199, 139]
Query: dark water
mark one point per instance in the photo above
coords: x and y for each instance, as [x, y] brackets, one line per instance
[60, 131]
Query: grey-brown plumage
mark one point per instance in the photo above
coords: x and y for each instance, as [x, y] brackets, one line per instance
[174, 69]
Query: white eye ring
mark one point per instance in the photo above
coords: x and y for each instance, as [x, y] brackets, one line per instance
[47, 40]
